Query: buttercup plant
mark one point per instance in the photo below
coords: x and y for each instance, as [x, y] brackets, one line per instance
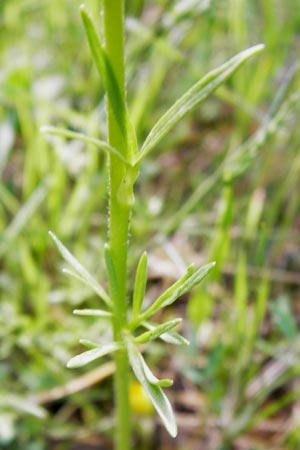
[124, 160]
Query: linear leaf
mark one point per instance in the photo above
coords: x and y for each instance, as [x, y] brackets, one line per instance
[110, 269]
[178, 289]
[143, 316]
[154, 392]
[23, 216]
[193, 97]
[163, 382]
[92, 312]
[104, 68]
[88, 344]
[243, 157]
[80, 270]
[26, 405]
[91, 355]
[82, 137]
[110, 83]
[157, 331]
[139, 285]
[171, 337]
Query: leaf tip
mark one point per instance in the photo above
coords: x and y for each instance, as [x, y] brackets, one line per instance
[70, 364]
[173, 432]
[52, 235]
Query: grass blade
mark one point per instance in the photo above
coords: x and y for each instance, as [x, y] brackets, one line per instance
[193, 97]
[23, 216]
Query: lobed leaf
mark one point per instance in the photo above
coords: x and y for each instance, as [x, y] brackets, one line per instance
[80, 272]
[193, 97]
[139, 285]
[91, 355]
[157, 331]
[152, 389]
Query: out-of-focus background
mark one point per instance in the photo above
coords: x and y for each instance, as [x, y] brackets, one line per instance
[223, 186]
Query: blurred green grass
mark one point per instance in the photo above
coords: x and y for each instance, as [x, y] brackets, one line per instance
[244, 323]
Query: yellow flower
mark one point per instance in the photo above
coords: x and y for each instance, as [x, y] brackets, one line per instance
[139, 401]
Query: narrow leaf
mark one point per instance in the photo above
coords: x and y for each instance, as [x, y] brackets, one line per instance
[26, 405]
[112, 88]
[80, 270]
[171, 337]
[82, 137]
[164, 382]
[154, 392]
[140, 285]
[91, 355]
[243, 157]
[178, 289]
[112, 278]
[105, 70]
[23, 216]
[92, 312]
[193, 97]
[88, 344]
[157, 331]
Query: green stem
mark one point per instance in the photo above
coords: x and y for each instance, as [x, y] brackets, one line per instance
[119, 209]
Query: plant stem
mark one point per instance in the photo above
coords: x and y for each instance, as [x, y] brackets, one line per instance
[113, 17]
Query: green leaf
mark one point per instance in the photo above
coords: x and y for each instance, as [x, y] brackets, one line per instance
[92, 312]
[154, 391]
[193, 97]
[81, 272]
[163, 382]
[171, 337]
[240, 160]
[23, 216]
[91, 355]
[189, 280]
[82, 137]
[88, 344]
[157, 331]
[110, 82]
[111, 273]
[283, 317]
[22, 404]
[139, 285]
[104, 68]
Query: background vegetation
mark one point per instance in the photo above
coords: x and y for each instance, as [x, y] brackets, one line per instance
[224, 187]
